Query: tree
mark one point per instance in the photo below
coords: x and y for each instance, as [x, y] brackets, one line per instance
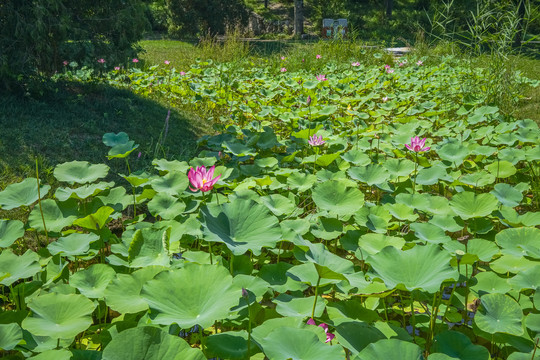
[389, 5]
[298, 17]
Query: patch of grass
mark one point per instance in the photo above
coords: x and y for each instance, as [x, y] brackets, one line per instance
[69, 123]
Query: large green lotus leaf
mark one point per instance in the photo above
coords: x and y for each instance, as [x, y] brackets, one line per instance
[522, 241]
[75, 244]
[92, 281]
[489, 282]
[356, 335]
[432, 175]
[470, 205]
[173, 183]
[372, 243]
[348, 310]
[276, 276]
[371, 174]
[122, 150]
[168, 166]
[414, 201]
[80, 172]
[338, 199]
[357, 157]
[291, 343]
[123, 294]
[278, 204]
[115, 198]
[10, 335]
[511, 263]
[430, 233]
[96, 220]
[149, 343]
[446, 222]
[58, 315]
[166, 206]
[331, 265]
[401, 212]
[375, 218]
[327, 228]
[149, 247]
[307, 273]
[478, 179]
[261, 331]
[396, 267]
[229, 345]
[501, 169]
[391, 349]
[57, 215]
[82, 192]
[458, 346]
[61, 354]
[255, 285]
[112, 139]
[525, 356]
[242, 225]
[300, 181]
[287, 305]
[454, 153]
[239, 149]
[24, 193]
[211, 295]
[526, 279]
[10, 231]
[397, 167]
[17, 267]
[499, 313]
[507, 194]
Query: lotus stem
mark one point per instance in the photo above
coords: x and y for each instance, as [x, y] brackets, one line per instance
[413, 317]
[39, 202]
[316, 294]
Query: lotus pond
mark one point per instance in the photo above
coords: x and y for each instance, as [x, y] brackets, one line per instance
[342, 211]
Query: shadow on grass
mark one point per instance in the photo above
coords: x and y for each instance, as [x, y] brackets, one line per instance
[67, 123]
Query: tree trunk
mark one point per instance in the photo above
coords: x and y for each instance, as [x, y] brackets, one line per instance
[266, 4]
[389, 4]
[298, 17]
[518, 37]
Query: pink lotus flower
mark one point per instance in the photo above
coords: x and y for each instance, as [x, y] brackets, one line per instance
[329, 336]
[117, 68]
[417, 145]
[385, 99]
[65, 62]
[167, 62]
[389, 71]
[401, 64]
[386, 67]
[283, 58]
[419, 63]
[316, 141]
[101, 61]
[135, 60]
[202, 179]
[318, 56]
[283, 69]
[303, 60]
[182, 73]
[321, 77]
[355, 64]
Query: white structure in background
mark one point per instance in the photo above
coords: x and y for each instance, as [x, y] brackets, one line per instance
[332, 27]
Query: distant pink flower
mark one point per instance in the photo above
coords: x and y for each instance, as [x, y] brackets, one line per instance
[283, 69]
[389, 71]
[139, 155]
[201, 179]
[101, 61]
[401, 64]
[308, 102]
[315, 140]
[419, 63]
[167, 62]
[385, 99]
[135, 60]
[355, 64]
[329, 336]
[417, 145]
[303, 60]
[386, 67]
[321, 77]
[65, 62]
[182, 73]
[117, 68]
[283, 58]
[318, 56]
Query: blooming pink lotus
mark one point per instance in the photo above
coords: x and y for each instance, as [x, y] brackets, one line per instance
[167, 62]
[117, 68]
[417, 145]
[101, 61]
[389, 71]
[283, 69]
[65, 62]
[182, 73]
[329, 336]
[318, 56]
[201, 179]
[321, 77]
[419, 63]
[386, 67]
[355, 64]
[401, 64]
[385, 99]
[135, 60]
[283, 58]
[315, 140]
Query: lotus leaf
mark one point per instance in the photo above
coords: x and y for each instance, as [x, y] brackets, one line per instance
[10, 231]
[499, 313]
[24, 193]
[80, 172]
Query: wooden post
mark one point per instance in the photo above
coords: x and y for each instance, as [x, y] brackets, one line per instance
[298, 18]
